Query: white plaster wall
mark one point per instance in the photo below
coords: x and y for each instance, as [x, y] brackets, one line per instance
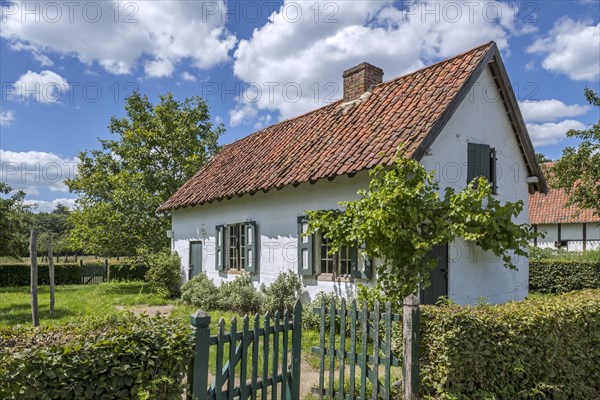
[573, 233]
[481, 118]
[275, 213]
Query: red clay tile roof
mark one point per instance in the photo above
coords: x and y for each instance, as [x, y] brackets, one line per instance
[552, 209]
[327, 142]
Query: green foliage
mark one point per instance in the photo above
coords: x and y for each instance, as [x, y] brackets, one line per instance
[201, 292]
[164, 273]
[117, 357]
[560, 276]
[311, 320]
[157, 149]
[282, 294]
[239, 295]
[402, 216]
[133, 271]
[19, 274]
[578, 170]
[536, 349]
[14, 220]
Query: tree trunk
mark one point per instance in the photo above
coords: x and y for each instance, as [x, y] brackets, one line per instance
[34, 279]
[51, 276]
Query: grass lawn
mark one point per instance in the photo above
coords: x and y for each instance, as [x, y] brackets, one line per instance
[73, 301]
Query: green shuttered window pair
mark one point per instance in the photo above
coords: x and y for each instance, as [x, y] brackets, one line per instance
[236, 247]
[481, 161]
[360, 267]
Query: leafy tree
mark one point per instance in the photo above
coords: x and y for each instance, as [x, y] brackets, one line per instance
[578, 171]
[158, 148]
[402, 216]
[541, 158]
[55, 224]
[14, 221]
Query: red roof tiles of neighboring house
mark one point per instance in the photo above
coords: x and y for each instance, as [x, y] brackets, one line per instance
[552, 209]
[335, 140]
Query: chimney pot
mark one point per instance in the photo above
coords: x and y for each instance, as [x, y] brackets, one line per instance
[359, 79]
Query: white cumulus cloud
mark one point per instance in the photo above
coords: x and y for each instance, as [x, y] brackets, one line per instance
[33, 170]
[49, 205]
[552, 132]
[550, 110]
[7, 117]
[297, 62]
[43, 87]
[571, 48]
[118, 33]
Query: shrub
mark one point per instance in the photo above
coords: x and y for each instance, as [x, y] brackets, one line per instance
[543, 348]
[312, 320]
[19, 274]
[127, 272]
[239, 295]
[560, 276]
[116, 357]
[282, 294]
[200, 292]
[164, 273]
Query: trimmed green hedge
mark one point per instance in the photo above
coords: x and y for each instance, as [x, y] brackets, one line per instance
[127, 272]
[118, 357]
[560, 276]
[19, 274]
[547, 348]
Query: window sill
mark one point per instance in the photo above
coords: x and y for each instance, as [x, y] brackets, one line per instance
[234, 271]
[334, 278]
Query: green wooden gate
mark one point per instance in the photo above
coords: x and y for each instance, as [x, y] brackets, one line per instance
[258, 362]
[356, 336]
[91, 274]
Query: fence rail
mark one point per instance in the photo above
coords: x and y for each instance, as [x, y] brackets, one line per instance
[239, 352]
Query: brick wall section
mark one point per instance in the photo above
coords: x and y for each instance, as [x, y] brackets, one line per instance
[358, 79]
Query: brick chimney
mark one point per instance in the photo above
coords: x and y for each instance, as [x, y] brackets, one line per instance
[359, 79]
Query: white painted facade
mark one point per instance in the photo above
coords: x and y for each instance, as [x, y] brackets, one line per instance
[480, 118]
[573, 234]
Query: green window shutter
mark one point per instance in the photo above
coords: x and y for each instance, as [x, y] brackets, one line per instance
[251, 256]
[493, 175]
[305, 248]
[220, 247]
[478, 161]
[361, 266]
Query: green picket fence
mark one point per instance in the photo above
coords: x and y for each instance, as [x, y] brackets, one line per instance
[258, 362]
[355, 350]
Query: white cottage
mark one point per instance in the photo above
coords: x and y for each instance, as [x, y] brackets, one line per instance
[244, 210]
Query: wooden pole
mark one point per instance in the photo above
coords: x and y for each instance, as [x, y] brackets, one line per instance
[51, 276]
[34, 278]
[410, 341]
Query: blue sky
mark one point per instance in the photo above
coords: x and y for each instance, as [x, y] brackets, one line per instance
[66, 67]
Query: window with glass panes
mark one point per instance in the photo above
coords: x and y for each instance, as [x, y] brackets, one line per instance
[338, 263]
[236, 237]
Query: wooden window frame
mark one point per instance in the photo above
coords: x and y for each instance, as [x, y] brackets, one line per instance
[337, 260]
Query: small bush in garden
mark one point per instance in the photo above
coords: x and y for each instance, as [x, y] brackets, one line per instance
[201, 292]
[282, 294]
[164, 273]
[239, 295]
[116, 357]
[312, 319]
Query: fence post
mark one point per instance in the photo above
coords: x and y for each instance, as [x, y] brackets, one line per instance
[296, 350]
[410, 342]
[199, 379]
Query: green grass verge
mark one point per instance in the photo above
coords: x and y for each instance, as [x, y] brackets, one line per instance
[73, 301]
